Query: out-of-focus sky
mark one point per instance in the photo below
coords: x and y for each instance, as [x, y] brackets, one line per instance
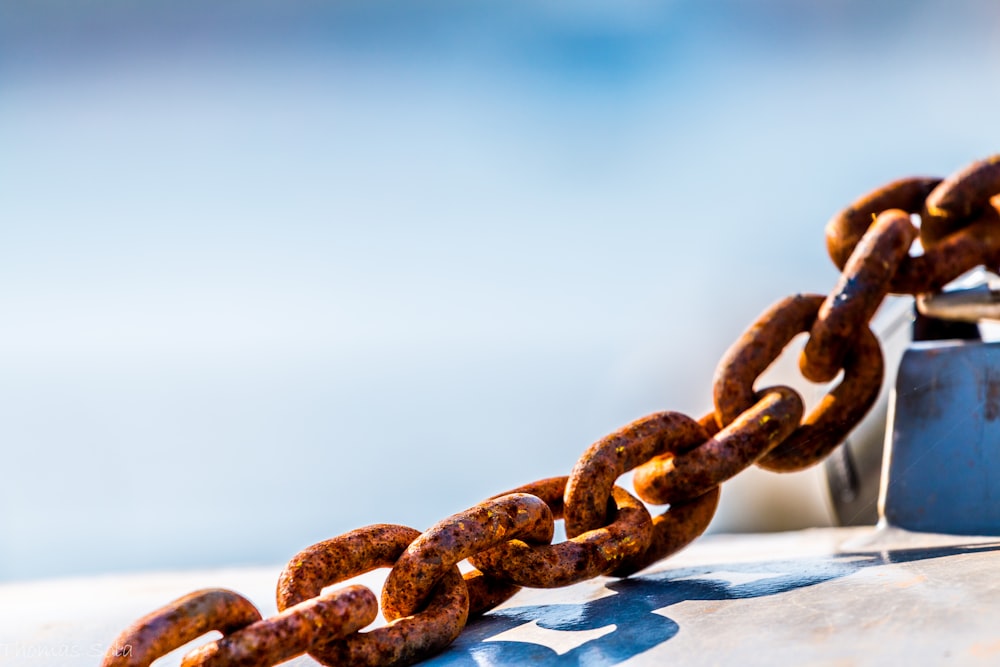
[272, 271]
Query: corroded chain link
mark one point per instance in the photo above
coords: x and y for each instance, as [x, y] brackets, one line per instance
[678, 461]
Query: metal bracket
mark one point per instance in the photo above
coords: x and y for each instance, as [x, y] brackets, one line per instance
[964, 305]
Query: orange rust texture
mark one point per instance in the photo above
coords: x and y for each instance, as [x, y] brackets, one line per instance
[680, 462]
[845, 229]
[684, 477]
[672, 531]
[486, 592]
[179, 622]
[860, 290]
[594, 475]
[710, 423]
[977, 243]
[290, 633]
[837, 413]
[960, 198]
[516, 516]
[405, 640]
[409, 639]
[340, 558]
[959, 228]
[550, 490]
[757, 349]
[593, 553]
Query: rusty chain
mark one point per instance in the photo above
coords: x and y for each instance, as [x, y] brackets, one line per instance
[678, 461]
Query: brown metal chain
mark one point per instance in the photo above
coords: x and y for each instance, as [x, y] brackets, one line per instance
[678, 461]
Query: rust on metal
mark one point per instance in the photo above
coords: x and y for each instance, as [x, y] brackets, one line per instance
[837, 413]
[405, 640]
[292, 632]
[845, 229]
[486, 592]
[677, 461]
[975, 244]
[518, 516]
[409, 639]
[550, 489]
[959, 199]
[958, 226]
[680, 478]
[332, 561]
[179, 622]
[585, 556]
[672, 531]
[709, 423]
[757, 349]
[859, 291]
[595, 473]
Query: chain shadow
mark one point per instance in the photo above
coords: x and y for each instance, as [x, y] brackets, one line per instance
[630, 611]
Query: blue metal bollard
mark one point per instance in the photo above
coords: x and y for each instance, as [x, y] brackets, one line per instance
[942, 463]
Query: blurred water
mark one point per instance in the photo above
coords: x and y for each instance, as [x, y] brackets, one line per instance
[270, 273]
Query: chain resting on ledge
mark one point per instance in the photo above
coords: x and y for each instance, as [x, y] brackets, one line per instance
[678, 461]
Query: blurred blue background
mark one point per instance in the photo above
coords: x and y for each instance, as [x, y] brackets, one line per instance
[272, 271]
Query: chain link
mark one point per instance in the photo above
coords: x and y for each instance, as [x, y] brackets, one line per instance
[401, 642]
[590, 554]
[589, 488]
[183, 620]
[862, 286]
[959, 199]
[677, 461]
[768, 422]
[492, 523]
[294, 631]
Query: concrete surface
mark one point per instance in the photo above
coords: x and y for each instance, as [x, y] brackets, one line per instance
[845, 596]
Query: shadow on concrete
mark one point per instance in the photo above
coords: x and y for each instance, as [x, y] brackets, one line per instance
[632, 610]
